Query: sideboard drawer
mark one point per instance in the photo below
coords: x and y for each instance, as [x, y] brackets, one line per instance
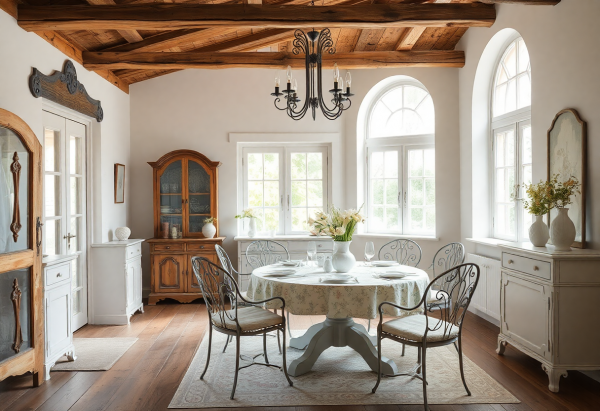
[530, 266]
[168, 247]
[58, 273]
[200, 247]
[132, 251]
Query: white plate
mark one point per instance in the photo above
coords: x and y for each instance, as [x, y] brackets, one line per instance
[344, 277]
[337, 280]
[384, 263]
[291, 263]
[393, 276]
[282, 272]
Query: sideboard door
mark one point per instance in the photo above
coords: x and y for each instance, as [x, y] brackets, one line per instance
[192, 282]
[525, 313]
[169, 273]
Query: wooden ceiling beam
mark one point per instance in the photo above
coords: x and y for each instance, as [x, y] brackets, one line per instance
[280, 60]
[169, 39]
[251, 42]
[185, 16]
[131, 36]
[410, 37]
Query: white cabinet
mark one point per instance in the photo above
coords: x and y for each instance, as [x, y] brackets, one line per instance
[116, 281]
[547, 301]
[295, 244]
[486, 298]
[58, 329]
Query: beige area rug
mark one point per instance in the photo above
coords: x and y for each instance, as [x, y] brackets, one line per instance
[339, 377]
[95, 354]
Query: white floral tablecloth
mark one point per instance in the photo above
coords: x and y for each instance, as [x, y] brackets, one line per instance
[307, 294]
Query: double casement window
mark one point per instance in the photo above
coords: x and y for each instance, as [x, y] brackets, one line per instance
[511, 143]
[285, 185]
[401, 162]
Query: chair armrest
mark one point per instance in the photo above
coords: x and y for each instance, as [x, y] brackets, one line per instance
[263, 301]
[398, 306]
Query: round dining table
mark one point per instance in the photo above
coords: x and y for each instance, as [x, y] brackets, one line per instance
[311, 291]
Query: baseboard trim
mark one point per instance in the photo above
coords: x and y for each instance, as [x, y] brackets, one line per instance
[485, 316]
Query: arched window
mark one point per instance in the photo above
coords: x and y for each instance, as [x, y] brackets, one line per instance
[511, 144]
[401, 160]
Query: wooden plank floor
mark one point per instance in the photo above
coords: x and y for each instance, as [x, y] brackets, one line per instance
[148, 375]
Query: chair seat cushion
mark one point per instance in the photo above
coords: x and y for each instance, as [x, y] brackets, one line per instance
[413, 327]
[249, 318]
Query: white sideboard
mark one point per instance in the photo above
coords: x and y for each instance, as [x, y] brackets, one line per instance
[295, 244]
[116, 281]
[548, 305]
[58, 305]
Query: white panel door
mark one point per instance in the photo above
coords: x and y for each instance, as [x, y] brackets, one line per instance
[65, 227]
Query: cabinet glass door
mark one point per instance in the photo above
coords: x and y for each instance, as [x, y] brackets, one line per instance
[171, 204]
[14, 193]
[199, 196]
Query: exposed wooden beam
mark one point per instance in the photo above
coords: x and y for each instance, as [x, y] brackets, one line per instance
[185, 16]
[251, 42]
[169, 39]
[131, 36]
[9, 6]
[410, 36]
[218, 60]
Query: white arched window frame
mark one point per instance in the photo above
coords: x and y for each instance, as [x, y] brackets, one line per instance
[511, 154]
[400, 161]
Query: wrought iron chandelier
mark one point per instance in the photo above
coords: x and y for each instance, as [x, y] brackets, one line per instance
[314, 44]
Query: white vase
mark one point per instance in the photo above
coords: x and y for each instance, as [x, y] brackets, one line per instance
[122, 233]
[209, 230]
[343, 260]
[538, 232]
[562, 231]
[252, 229]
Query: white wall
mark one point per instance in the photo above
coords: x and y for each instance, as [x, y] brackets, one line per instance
[197, 109]
[442, 84]
[20, 52]
[563, 45]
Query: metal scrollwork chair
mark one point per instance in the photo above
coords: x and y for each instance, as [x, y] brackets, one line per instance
[266, 252]
[406, 252]
[445, 258]
[218, 286]
[455, 289]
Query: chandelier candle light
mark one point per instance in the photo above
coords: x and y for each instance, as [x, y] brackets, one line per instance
[314, 44]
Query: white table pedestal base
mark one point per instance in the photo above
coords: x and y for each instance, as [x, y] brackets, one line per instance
[337, 332]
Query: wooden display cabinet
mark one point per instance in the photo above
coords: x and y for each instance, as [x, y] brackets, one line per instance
[185, 193]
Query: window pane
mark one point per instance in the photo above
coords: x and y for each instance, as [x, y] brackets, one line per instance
[391, 219]
[416, 219]
[299, 219]
[315, 193]
[378, 120]
[391, 192]
[430, 219]
[75, 203]
[500, 185]
[429, 191]
[500, 149]
[260, 219]
[510, 148]
[393, 99]
[502, 77]
[298, 193]
[524, 90]
[377, 218]
[511, 96]
[271, 196]
[391, 164]
[427, 113]
[298, 166]
[411, 123]
[377, 164]
[510, 60]
[415, 163]
[75, 155]
[51, 237]
[312, 212]
[255, 166]
[377, 192]
[415, 192]
[271, 166]
[429, 162]
[52, 195]
[500, 102]
[271, 219]
[51, 150]
[315, 165]
[75, 231]
[255, 194]
[510, 183]
[523, 56]
[526, 141]
[413, 96]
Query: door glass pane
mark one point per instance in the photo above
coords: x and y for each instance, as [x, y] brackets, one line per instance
[199, 204]
[52, 237]
[51, 150]
[75, 196]
[13, 157]
[75, 155]
[76, 302]
[52, 196]
[74, 244]
[198, 178]
[171, 201]
[7, 331]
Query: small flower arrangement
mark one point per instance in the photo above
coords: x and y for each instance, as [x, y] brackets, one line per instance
[337, 224]
[247, 213]
[546, 195]
[210, 220]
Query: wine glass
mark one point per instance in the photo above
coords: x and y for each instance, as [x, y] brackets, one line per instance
[311, 250]
[369, 252]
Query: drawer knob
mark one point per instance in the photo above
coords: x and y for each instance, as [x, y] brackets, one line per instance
[59, 275]
[536, 268]
[201, 246]
[510, 261]
[168, 247]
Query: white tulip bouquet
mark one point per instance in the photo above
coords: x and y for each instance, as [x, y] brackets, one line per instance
[337, 224]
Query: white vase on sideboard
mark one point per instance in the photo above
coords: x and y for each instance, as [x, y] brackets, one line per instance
[252, 229]
[209, 230]
[562, 230]
[539, 232]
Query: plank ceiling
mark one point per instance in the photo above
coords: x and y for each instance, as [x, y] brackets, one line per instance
[218, 39]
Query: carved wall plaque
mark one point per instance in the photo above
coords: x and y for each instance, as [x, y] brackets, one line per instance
[15, 296]
[64, 88]
[15, 169]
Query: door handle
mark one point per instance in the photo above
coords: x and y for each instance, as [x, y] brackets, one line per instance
[68, 237]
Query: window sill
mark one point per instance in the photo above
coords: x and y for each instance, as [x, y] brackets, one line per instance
[290, 237]
[398, 236]
[493, 242]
